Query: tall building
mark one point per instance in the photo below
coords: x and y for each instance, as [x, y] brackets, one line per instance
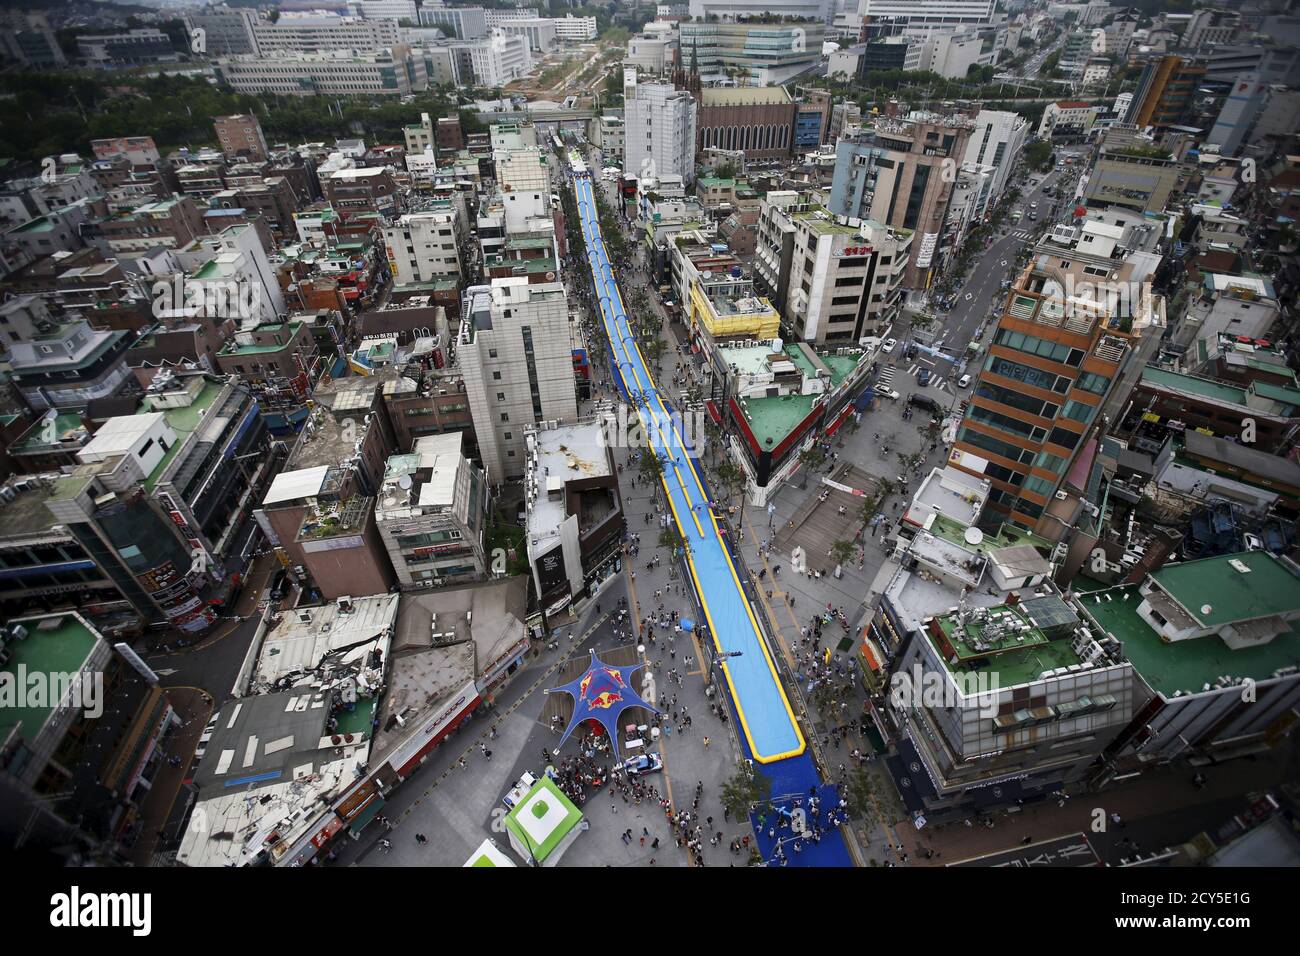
[901, 173]
[929, 14]
[1069, 330]
[573, 29]
[321, 33]
[227, 31]
[763, 53]
[1164, 92]
[996, 141]
[759, 121]
[392, 72]
[465, 23]
[1240, 110]
[515, 351]
[659, 124]
[241, 136]
[27, 39]
[835, 280]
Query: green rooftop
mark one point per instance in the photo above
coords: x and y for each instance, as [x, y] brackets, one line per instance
[1192, 385]
[953, 531]
[1267, 589]
[234, 348]
[1014, 659]
[1169, 666]
[772, 419]
[183, 421]
[824, 227]
[62, 649]
[62, 435]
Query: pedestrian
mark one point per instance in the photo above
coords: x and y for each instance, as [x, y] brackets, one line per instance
[706, 743]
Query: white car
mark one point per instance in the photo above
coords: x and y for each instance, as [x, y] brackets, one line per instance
[889, 345]
[963, 382]
[887, 392]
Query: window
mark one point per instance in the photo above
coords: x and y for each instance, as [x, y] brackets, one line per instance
[1079, 412]
[1064, 437]
[505, 416]
[496, 376]
[1091, 382]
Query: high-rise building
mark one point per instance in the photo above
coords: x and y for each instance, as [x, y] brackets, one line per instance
[227, 31]
[996, 141]
[1070, 328]
[901, 173]
[818, 10]
[929, 14]
[659, 123]
[465, 23]
[1239, 112]
[515, 351]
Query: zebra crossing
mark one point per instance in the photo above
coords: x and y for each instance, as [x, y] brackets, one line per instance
[886, 376]
[935, 381]
[1022, 235]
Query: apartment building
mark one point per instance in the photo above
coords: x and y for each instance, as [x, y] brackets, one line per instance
[996, 141]
[58, 361]
[359, 191]
[1164, 92]
[571, 29]
[491, 61]
[241, 137]
[835, 279]
[424, 247]
[1141, 178]
[515, 352]
[431, 512]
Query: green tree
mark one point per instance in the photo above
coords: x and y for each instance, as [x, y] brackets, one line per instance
[842, 550]
[748, 788]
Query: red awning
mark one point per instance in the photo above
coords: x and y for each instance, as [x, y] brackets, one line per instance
[713, 411]
[839, 421]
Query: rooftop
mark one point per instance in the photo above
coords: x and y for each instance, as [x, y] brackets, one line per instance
[1015, 642]
[58, 644]
[1188, 666]
[1233, 587]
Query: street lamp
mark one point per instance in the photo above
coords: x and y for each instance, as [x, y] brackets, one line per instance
[718, 658]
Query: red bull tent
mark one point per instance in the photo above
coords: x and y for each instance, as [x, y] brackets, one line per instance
[601, 694]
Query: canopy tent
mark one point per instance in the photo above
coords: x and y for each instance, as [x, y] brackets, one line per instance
[543, 824]
[488, 854]
[601, 694]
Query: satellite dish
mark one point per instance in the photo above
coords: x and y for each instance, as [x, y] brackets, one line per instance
[973, 535]
[404, 482]
[1207, 608]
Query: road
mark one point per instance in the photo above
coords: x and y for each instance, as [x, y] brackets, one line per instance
[977, 297]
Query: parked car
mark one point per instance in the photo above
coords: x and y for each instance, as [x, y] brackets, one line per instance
[924, 401]
[279, 585]
[964, 381]
[889, 345]
[643, 763]
[888, 392]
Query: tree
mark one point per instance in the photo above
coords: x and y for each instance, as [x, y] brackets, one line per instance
[731, 475]
[843, 550]
[748, 788]
[859, 793]
[671, 538]
[812, 457]
[652, 469]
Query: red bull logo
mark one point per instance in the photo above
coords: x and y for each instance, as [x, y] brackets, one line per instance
[601, 688]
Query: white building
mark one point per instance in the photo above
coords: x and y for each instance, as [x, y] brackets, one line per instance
[539, 32]
[1075, 115]
[467, 23]
[573, 29]
[431, 513]
[996, 141]
[383, 9]
[654, 49]
[515, 353]
[390, 72]
[660, 131]
[322, 32]
[525, 182]
[930, 13]
[835, 280]
[423, 246]
[492, 61]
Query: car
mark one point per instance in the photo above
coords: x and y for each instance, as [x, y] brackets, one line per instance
[889, 345]
[1033, 205]
[964, 381]
[924, 401]
[923, 377]
[643, 764]
[278, 585]
[888, 392]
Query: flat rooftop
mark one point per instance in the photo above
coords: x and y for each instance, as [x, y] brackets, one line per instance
[1233, 587]
[59, 644]
[1187, 666]
[567, 453]
[1010, 642]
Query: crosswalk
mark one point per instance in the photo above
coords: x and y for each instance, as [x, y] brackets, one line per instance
[1021, 235]
[935, 381]
[886, 376]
